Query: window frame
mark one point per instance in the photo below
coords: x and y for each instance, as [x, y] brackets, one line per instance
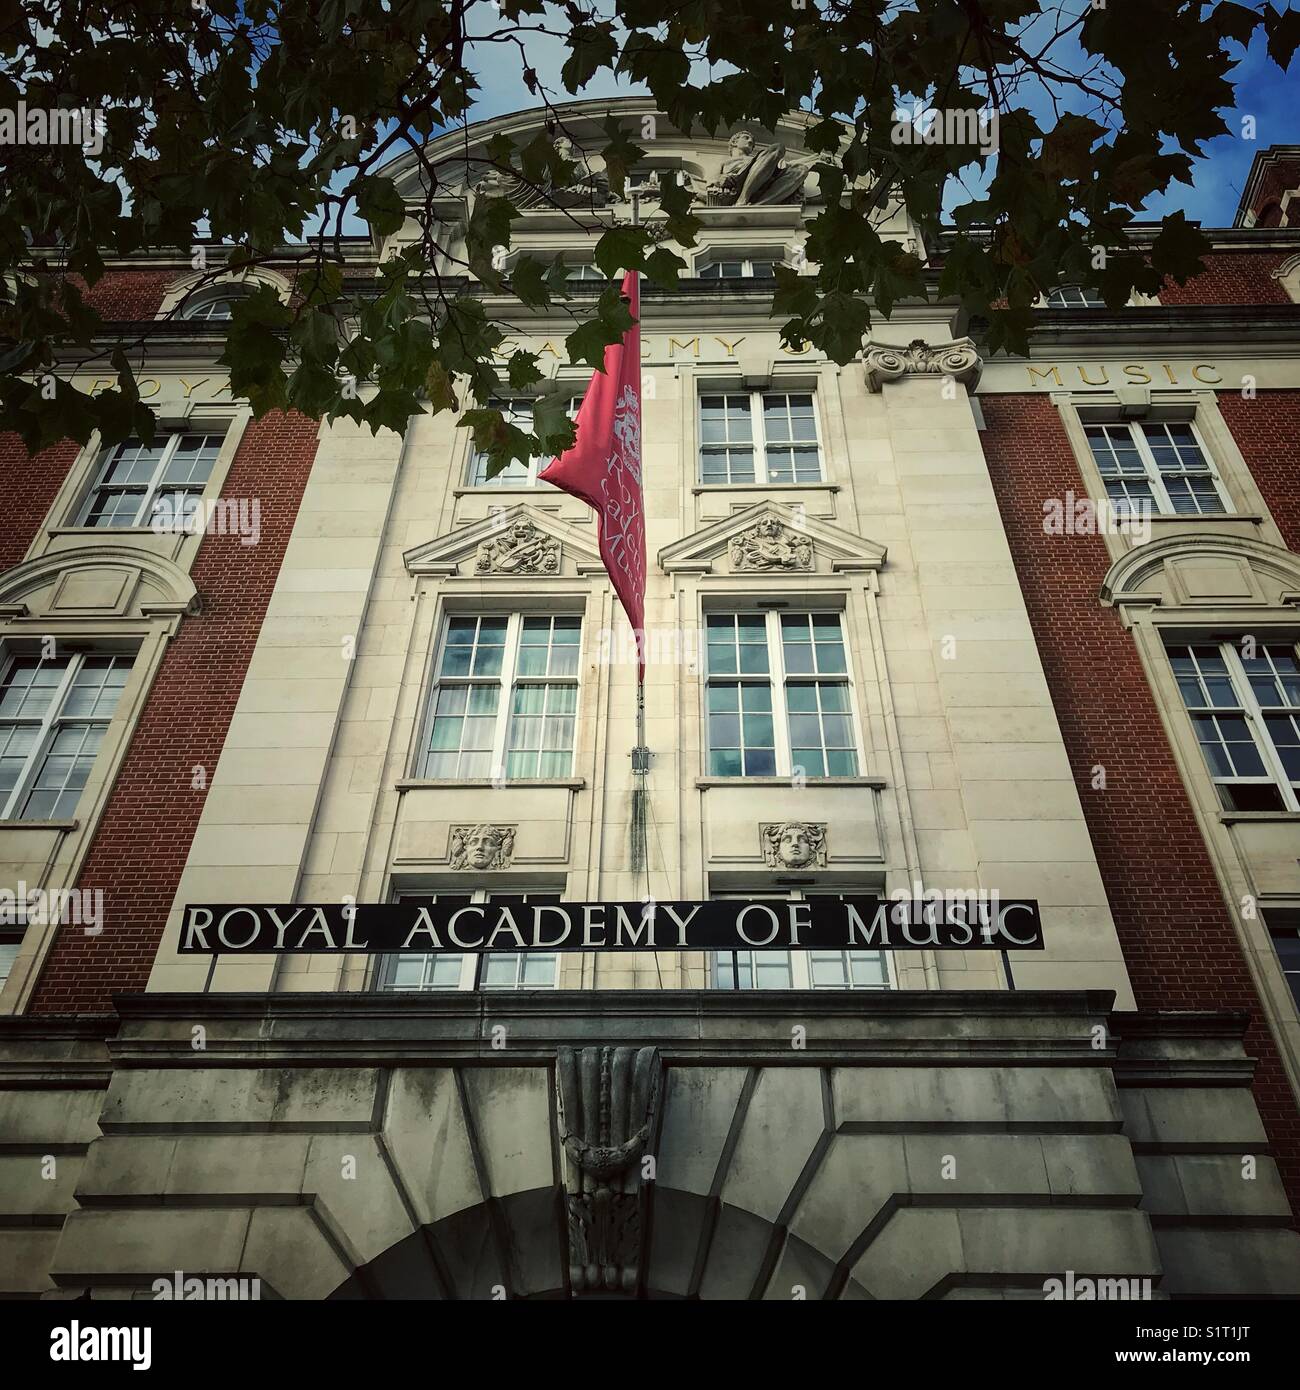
[778, 680]
[506, 681]
[193, 311]
[47, 728]
[800, 962]
[1249, 709]
[1285, 926]
[536, 462]
[1154, 478]
[473, 964]
[746, 261]
[150, 493]
[1081, 290]
[758, 435]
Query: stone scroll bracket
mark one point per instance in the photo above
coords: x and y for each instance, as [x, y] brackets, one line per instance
[608, 1115]
[884, 362]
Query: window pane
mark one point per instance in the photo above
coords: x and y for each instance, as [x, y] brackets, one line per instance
[29, 686]
[541, 731]
[193, 459]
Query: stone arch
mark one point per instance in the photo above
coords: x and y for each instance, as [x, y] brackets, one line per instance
[203, 282]
[1208, 571]
[1288, 276]
[106, 581]
[471, 1255]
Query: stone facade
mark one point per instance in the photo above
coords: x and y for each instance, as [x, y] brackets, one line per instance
[939, 1124]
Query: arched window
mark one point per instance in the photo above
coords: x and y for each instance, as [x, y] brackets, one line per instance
[212, 305]
[1074, 297]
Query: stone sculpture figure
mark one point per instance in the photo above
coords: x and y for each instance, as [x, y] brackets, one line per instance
[794, 844]
[752, 174]
[520, 549]
[768, 545]
[482, 846]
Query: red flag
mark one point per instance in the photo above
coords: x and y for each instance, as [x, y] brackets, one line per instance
[604, 467]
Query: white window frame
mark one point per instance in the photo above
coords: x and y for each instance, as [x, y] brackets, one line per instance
[778, 679]
[801, 974]
[473, 964]
[218, 429]
[575, 274]
[48, 726]
[747, 263]
[199, 308]
[508, 406]
[507, 681]
[1249, 708]
[758, 431]
[1064, 303]
[10, 944]
[1159, 492]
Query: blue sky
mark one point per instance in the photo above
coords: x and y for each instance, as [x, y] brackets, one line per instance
[1265, 93]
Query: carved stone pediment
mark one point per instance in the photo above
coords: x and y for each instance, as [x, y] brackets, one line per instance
[514, 542]
[521, 548]
[770, 538]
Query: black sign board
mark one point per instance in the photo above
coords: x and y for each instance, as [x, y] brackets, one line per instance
[948, 922]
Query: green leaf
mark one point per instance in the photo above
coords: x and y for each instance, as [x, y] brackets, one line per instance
[379, 202]
[527, 279]
[592, 47]
[438, 387]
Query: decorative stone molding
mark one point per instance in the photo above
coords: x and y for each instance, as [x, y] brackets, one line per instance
[884, 362]
[482, 846]
[608, 1102]
[769, 545]
[103, 581]
[793, 844]
[522, 548]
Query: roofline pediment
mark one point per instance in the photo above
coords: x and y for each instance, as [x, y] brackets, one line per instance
[698, 552]
[445, 555]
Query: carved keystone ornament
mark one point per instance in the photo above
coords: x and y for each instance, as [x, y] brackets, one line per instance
[482, 846]
[608, 1099]
[794, 844]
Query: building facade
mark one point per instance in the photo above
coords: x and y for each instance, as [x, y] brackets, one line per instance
[941, 619]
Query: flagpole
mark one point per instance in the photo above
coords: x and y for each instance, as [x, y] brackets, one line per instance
[641, 752]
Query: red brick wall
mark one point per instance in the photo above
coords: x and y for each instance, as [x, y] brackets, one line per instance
[1155, 864]
[1232, 277]
[1267, 431]
[144, 838]
[27, 488]
[28, 485]
[129, 294]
